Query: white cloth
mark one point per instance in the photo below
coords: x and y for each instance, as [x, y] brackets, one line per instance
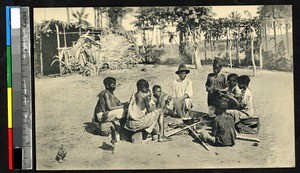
[134, 111]
[180, 88]
[139, 119]
[236, 91]
[247, 102]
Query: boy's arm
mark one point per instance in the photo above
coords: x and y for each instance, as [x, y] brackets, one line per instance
[146, 99]
[108, 103]
[214, 128]
[208, 86]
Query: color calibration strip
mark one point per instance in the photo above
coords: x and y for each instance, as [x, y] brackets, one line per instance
[9, 90]
[19, 88]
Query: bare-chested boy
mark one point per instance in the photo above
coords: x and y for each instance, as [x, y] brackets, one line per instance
[109, 107]
[215, 83]
[140, 115]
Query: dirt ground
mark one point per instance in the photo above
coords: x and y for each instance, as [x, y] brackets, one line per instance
[64, 108]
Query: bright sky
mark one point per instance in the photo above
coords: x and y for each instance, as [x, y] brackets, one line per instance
[41, 14]
[224, 11]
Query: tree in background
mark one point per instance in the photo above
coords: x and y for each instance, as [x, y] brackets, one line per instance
[98, 15]
[235, 18]
[80, 17]
[116, 14]
[190, 22]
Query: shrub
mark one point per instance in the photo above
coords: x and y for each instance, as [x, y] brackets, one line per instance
[284, 64]
[151, 54]
[172, 61]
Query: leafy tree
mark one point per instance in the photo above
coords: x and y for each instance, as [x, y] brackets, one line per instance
[116, 14]
[190, 21]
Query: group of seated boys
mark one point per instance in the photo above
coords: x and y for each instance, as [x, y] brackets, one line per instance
[229, 101]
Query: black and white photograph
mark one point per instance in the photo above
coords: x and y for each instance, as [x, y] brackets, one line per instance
[163, 87]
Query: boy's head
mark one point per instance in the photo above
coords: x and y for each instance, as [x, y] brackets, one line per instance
[110, 83]
[182, 71]
[156, 91]
[217, 66]
[222, 106]
[142, 85]
[243, 81]
[232, 79]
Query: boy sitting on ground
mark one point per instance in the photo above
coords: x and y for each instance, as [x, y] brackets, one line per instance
[233, 90]
[160, 98]
[140, 115]
[183, 93]
[223, 131]
[245, 108]
[215, 83]
[109, 107]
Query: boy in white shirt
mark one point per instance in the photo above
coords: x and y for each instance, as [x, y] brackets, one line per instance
[182, 92]
[245, 106]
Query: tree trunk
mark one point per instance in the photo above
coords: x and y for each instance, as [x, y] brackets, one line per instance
[205, 51]
[156, 40]
[229, 48]
[266, 37]
[172, 49]
[287, 41]
[99, 18]
[210, 46]
[68, 15]
[275, 40]
[180, 37]
[281, 33]
[252, 56]
[197, 57]
[237, 47]
[260, 56]
[152, 36]
[274, 29]
[41, 55]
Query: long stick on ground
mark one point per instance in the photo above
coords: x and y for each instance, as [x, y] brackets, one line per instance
[186, 127]
[247, 138]
[173, 132]
[199, 139]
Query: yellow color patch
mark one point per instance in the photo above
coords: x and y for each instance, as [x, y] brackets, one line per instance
[9, 107]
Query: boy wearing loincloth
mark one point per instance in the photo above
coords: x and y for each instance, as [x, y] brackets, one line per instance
[109, 107]
[182, 92]
[140, 115]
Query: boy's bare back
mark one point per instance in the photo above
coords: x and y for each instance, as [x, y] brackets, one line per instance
[142, 100]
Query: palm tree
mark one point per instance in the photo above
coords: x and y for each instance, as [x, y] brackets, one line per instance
[68, 15]
[236, 18]
[80, 17]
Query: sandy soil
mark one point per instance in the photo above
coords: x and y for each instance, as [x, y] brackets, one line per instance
[64, 108]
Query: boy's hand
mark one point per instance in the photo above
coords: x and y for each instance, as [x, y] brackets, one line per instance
[169, 99]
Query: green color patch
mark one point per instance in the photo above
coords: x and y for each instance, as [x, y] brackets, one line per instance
[8, 63]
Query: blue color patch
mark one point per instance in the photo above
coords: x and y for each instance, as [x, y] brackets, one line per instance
[8, 41]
